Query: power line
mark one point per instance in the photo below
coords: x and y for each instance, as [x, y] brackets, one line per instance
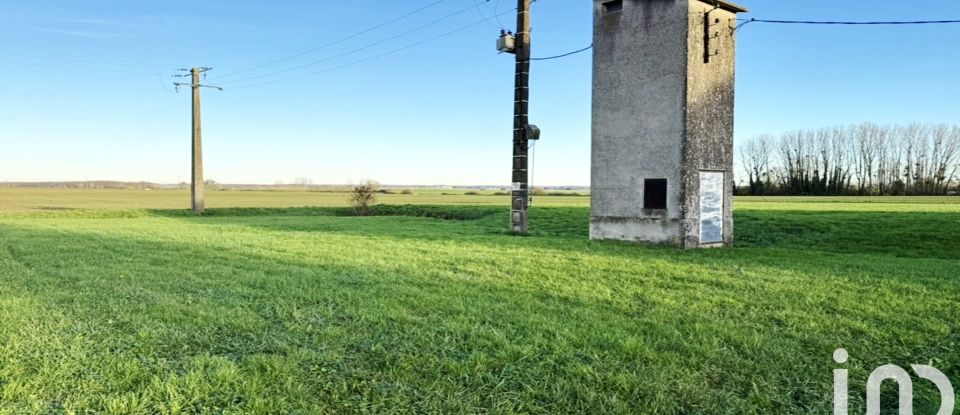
[388, 53]
[476, 3]
[335, 42]
[496, 9]
[80, 68]
[85, 60]
[563, 55]
[163, 84]
[854, 23]
[350, 52]
[533, 164]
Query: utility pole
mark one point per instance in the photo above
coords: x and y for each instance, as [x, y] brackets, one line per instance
[520, 201]
[196, 174]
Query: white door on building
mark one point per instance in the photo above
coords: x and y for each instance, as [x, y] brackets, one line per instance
[711, 207]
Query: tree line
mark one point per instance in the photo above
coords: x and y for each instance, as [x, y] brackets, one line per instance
[865, 159]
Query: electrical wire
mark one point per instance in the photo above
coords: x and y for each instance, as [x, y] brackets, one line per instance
[496, 9]
[853, 23]
[477, 4]
[533, 163]
[79, 68]
[741, 25]
[163, 84]
[335, 42]
[563, 55]
[350, 52]
[391, 52]
[4, 53]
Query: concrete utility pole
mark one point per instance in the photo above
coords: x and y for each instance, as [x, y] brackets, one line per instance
[196, 175]
[520, 196]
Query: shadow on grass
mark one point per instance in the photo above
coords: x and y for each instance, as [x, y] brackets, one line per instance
[895, 234]
[406, 331]
[442, 212]
[898, 234]
[407, 221]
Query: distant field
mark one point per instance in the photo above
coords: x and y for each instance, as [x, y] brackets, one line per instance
[851, 203]
[12, 199]
[66, 199]
[124, 302]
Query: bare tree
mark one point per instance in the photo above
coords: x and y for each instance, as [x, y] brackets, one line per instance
[862, 159]
[867, 137]
[914, 137]
[897, 147]
[955, 145]
[755, 159]
[303, 182]
[880, 150]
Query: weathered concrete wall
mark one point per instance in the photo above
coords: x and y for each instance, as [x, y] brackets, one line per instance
[661, 110]
[639, 71]
[709, 120]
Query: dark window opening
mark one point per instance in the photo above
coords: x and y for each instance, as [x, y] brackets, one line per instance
[612, 6]
[655, 194]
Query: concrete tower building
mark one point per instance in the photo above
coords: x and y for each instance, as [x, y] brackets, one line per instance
[662, 156]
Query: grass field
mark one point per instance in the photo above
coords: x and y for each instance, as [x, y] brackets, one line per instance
[12, 199]
[121, 302]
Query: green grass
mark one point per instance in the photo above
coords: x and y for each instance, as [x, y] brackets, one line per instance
[435, 309]
[31, 199]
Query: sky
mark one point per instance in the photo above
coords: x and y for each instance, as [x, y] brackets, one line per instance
[89, 92]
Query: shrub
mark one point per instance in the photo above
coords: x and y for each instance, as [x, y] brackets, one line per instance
[538, 191]
[472, 193]
[406, 192]
[363, 196]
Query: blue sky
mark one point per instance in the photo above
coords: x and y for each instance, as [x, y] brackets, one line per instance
[88, 93]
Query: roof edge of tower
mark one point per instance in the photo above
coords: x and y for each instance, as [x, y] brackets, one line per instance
[726, 5]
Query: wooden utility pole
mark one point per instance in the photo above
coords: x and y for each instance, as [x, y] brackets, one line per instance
[521, 187]
[196, 174]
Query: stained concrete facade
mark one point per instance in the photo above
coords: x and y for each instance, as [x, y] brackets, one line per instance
[663, 93]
